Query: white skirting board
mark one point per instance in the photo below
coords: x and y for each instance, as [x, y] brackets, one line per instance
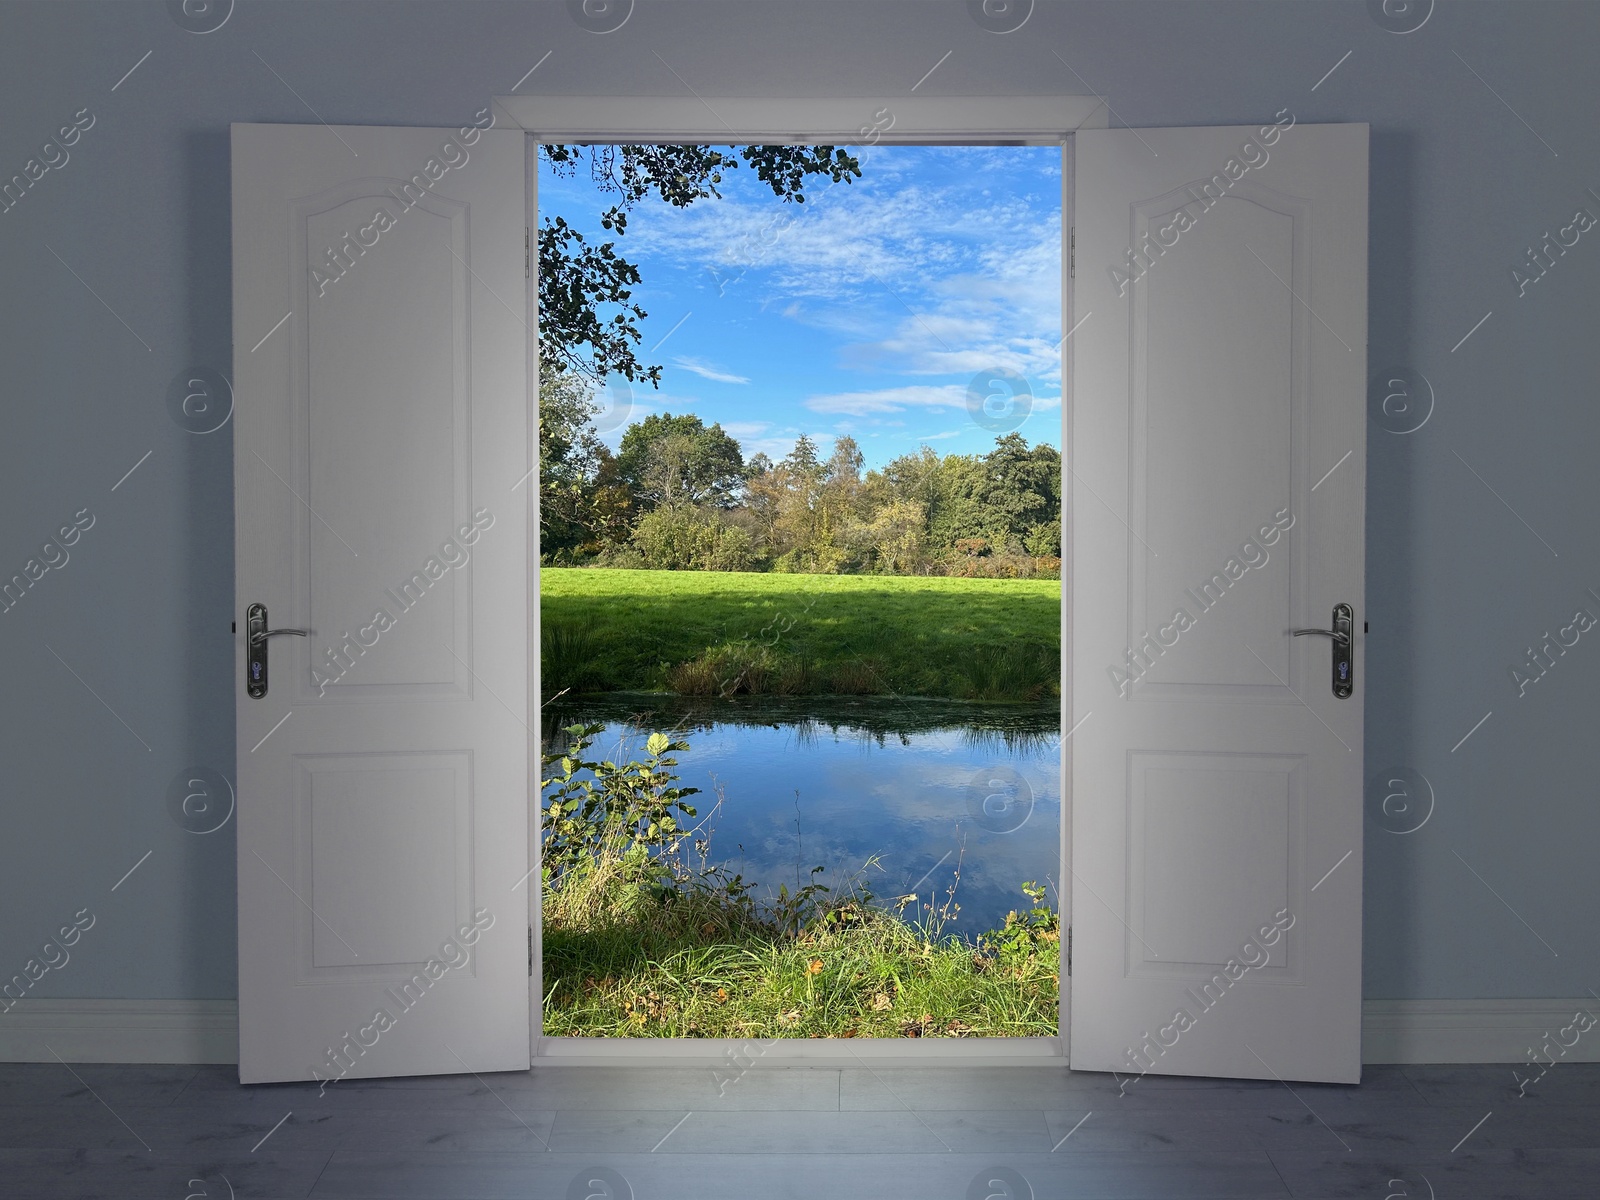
[121, 1031]
[207, 1031]
[1473, 1031]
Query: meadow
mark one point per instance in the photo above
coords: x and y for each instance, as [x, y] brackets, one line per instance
[725, 633]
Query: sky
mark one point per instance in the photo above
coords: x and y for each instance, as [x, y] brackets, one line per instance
[869, 310]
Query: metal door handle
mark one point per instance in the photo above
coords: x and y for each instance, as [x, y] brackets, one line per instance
[255, 657]
[262, 635]
[1344, 623]
[1342, 638]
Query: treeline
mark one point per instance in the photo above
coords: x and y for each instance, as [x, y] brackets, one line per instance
[679, 495]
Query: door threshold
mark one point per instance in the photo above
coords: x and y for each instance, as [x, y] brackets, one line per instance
[752, 1053]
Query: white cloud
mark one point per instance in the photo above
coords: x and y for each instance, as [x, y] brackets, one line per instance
[708, 372]
[890, 400]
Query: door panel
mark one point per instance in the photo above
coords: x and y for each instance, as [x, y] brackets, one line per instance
[1222, 376]
[382, 420]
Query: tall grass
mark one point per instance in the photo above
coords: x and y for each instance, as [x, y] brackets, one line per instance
[569, 657]
[1008, 671]
[745, 668]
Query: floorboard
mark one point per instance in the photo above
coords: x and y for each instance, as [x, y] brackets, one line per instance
[878, 1133]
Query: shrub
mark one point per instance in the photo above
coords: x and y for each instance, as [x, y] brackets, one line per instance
[624, 558]
[602, 821]
[682, 538]
[1044, 541]
[732, 549]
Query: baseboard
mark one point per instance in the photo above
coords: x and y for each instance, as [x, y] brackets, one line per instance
[207, 1031]
[1472, 1031]
[121, 1031]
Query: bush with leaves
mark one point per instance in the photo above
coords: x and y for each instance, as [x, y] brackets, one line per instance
[593, 808]
[1025, 934]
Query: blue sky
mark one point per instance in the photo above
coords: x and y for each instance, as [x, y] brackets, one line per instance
[867, 311]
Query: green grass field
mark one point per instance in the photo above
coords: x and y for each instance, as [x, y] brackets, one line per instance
[714, 632]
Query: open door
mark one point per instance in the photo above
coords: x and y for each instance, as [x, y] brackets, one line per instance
[1218, 444]
[381, 431]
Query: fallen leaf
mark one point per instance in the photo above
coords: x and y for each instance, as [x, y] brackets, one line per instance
[881, 1003]
[722, 995]
[709, 928]
[815, 968]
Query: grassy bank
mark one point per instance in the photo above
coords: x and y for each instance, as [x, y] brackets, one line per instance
[684, 968]
[713, 632]
[642, 938]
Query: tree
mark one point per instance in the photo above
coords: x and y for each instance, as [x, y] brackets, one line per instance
[803, 458]
[911, 476]
[845, 461]
[1024, 486]
[1009, 498]
[577, 279]
[839, 502]
[764, 490]
[896, 535]
[671, 460]
[569, 458]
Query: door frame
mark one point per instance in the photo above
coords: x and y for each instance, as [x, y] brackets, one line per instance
[723, 120]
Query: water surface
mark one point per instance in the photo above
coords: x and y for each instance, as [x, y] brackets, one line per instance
[928, 787]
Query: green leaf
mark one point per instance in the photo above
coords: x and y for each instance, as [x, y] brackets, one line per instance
[658, 742]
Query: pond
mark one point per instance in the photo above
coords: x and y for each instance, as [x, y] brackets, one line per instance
[936, 793]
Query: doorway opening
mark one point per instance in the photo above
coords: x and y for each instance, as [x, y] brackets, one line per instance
[800, 598]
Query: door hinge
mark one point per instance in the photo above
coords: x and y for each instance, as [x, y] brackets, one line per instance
[1072, 252]
[1069, 951]
[530, 951]
[527, 254]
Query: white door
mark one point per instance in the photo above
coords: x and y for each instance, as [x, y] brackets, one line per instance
[1218, 444]
[381, 425]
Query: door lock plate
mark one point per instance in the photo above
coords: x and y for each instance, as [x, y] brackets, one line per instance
[1344, 621]
[255, 651]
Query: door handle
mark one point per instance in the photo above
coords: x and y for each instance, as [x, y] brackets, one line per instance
[256, 635]
[1344, 623]
[1341, 638]
[262, 635]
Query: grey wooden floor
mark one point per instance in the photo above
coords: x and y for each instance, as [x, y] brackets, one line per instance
[569, 1133]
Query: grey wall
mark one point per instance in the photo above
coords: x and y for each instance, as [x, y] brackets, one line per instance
[1458, 582]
